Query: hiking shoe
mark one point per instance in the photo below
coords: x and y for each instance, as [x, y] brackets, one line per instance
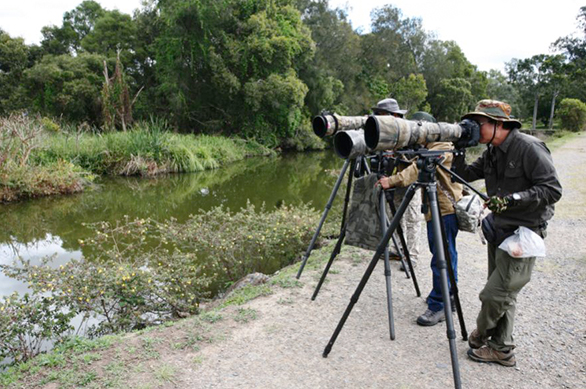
[392, 257]
[413, 262]
[431, 318]
[486, 354]
[475, 340]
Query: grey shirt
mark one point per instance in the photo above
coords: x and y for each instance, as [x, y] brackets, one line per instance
[521, 164]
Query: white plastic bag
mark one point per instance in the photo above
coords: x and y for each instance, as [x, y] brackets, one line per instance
[524, 243]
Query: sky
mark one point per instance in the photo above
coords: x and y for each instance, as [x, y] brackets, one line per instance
[489, 33]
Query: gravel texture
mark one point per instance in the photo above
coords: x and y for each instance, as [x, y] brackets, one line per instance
[281, 345]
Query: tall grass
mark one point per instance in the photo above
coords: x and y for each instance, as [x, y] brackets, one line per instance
[149, 148]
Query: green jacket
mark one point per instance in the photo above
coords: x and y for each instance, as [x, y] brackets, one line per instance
[521, 164]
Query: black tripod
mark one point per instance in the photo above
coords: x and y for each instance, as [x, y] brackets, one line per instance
[328, 207]
[427, 164]
[358, 167]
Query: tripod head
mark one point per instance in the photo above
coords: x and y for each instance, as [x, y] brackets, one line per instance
[427, 163]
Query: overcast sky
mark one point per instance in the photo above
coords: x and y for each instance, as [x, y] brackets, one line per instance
[490, 33]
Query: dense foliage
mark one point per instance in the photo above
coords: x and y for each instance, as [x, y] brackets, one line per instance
[261, 68]
[124, 283]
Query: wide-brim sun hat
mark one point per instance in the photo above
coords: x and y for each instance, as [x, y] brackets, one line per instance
[389, 106]
[495, 110]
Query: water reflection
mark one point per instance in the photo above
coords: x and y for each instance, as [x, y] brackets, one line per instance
[36, 228]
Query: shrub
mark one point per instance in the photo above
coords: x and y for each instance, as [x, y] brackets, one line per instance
[572, 113]
[142, 272]
[27, 323]
[236, 244]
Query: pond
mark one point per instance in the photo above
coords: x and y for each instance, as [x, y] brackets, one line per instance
[36, 228]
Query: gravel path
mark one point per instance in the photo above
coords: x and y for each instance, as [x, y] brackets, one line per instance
[282, 347]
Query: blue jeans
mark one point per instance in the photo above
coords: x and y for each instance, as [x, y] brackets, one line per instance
[435, 301]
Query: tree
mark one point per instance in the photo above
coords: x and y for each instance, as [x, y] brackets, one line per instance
[454, 98]
[454, 85]
[116, 103]
[574, 49]
[66, 86]
[112, 32]
[14, 60]
[332, 74]
[232, 66]
[392, 51]
[77, 24]
[572, 113]
[410, 91]
[537, 76]
[556, 79]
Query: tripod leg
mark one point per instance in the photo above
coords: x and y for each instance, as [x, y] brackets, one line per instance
[335, 252]
[379, 250]
[398, 250]
[383, 222]
[441, 263]
[453, 283]
[325, 214]
[389, 197]
[338, 247]
[401, 256]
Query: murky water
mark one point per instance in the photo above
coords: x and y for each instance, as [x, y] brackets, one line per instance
[37, 228]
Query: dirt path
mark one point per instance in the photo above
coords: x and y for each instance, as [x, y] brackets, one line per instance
[281, 343]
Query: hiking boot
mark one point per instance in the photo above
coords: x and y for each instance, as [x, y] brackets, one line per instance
[392, 257]
[486, 354]
[475, 340]
[431, 318]
[413, 263]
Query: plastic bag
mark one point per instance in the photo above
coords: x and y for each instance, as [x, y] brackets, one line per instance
[524, 243]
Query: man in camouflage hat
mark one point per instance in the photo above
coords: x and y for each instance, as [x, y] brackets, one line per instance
[389, 107]
[522, 184]
[448, 194]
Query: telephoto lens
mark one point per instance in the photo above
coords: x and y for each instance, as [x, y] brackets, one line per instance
[328, 124]
[391, 133]
[350, 144]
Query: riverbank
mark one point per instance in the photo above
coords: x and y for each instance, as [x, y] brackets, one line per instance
[39, 158]
[273, 335]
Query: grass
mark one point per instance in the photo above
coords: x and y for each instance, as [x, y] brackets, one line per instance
[146, 151]
[60, 161]
[244, 315]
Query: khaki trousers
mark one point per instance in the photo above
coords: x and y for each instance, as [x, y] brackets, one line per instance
[506, 277]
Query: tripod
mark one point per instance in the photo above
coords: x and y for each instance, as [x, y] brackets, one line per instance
[358, 167]
[427, 164]
[327, 210]
[383, 222]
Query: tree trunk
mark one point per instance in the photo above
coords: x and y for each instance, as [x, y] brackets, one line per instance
[535, 105]
[555, 95]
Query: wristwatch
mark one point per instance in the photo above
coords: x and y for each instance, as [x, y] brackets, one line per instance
[514, 198]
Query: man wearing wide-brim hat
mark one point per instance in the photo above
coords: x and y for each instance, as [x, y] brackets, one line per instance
[522, 185]
[389, 107]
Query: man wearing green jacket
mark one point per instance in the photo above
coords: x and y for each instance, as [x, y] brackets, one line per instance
[522, 184]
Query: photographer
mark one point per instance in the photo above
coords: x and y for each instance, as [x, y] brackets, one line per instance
[448, 194]
[411, 221]
[522, 184]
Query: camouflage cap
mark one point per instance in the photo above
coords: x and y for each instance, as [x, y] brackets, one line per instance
[388, 106]
[423, 117]
[495, 110]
